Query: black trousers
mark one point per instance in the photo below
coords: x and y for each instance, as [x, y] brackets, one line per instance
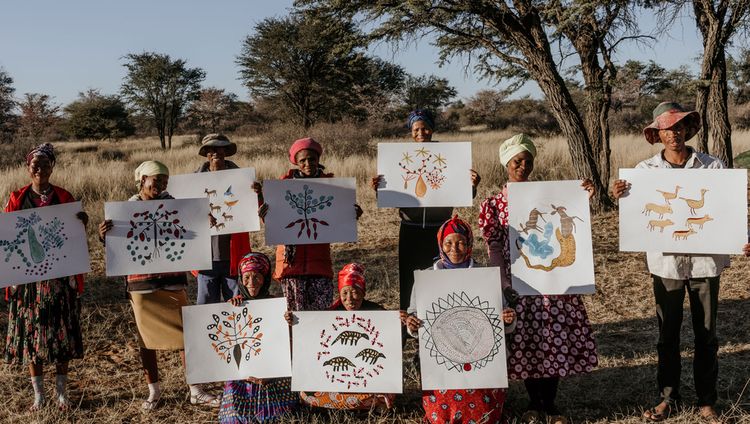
[703, 294]
[417, 249]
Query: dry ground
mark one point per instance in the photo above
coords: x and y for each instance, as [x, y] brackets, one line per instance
[107, 386]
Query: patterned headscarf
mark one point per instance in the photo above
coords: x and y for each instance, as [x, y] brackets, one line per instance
[45, 150]
[352, 275]
[455, 225]
[258, 262]
[149, 168]
[421, 115]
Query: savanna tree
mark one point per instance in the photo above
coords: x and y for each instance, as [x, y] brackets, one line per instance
[98, 117]
[39, 116]
[7, 105]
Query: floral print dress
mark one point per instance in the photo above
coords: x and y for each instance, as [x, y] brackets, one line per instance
[553, 335]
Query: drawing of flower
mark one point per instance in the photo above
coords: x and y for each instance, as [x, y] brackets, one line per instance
[153, 231]
[430, 169]
[234, 333]
[306, 205]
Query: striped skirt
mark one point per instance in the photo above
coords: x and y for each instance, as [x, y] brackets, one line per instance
[246, 402]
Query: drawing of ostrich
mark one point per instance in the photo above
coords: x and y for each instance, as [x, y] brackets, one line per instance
[209, 193]
[339, 363]
[694, 204]
[670, 195]
[370, 356]
[350, 338]
[532, 223]
[567, 223]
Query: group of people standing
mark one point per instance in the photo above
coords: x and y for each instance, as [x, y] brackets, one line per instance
[549, 337]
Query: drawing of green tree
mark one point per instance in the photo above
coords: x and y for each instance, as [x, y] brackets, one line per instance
[306, 205]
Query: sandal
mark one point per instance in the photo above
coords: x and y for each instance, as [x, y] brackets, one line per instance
[150, 405]
[63, 403]
[204, 398]
[654, 416]
[531, 417]
[557, 419]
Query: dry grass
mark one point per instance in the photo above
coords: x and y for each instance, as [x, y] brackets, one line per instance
[107, 385]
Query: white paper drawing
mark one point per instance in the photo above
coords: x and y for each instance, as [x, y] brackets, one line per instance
[550, 238]
[462, 340]
[310, 211]
[231, 199]
[347, 351]
[424, 174]
[158, 236]
[223, 342]
[701, 211]
[42, 244]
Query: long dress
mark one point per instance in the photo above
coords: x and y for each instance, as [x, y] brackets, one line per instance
[553, 335]
[43, 317]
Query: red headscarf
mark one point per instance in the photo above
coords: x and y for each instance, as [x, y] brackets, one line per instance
[257, 262]
[458, 226]
[352, 274]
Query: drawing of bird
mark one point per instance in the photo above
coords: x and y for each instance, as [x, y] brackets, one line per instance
[669, 195]
[229, 192]
[230, 203]
[694, 204]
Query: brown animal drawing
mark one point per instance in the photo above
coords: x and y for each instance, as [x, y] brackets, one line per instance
[659, 209]
[694, 204]
[670, 195]
[698, 221]
[215, 208]
[532, 223]
[209, 193]
[226, 217]
[655, 223]
[567, 223]
[683, 234]
[566, 257]
[220, 226]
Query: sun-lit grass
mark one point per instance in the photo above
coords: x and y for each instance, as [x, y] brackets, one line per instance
[107, 385]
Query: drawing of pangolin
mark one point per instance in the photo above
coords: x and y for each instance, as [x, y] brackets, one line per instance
[370, 355]
[350, 338]
[339, 363]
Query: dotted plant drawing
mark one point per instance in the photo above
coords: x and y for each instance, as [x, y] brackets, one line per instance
[538, 249]
[425, 167]
[350, 351]
[156, 232]
[307, 205]
[36, 245]
[462, 333]
[236, 336]
[675, 204]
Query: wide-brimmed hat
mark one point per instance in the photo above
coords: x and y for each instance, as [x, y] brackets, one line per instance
[666, 115]
[217, 140]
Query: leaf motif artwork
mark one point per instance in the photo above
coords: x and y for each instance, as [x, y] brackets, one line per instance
[232, 202]
[550, 236]
[309, 211]
[424, 174]
[347, 351]
[42, 243]
[684, 210]
[158, 236]
[223, 342]
[462, 339]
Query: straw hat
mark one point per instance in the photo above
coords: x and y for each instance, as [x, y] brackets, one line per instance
[217, 140]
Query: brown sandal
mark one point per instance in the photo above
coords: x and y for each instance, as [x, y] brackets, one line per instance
[655, 416]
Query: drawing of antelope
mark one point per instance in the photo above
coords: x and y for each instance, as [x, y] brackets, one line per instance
[531, 224]
[567, 223]
[219, 226]
[659, 224]
[214, 208]
[683, 234]
[659, 209]
[226, 217]
[698, 221]
[209, 193]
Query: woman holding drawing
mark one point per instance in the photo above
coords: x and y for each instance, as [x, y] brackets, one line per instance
[255, 400]
[673, 275]
[44, 317]
[226, 249]
[351, 298]
[304, 270]
[416, 238]
[455, 242]
[157, 299]
[553, 338]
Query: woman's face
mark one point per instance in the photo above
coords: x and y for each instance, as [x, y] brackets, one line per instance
[455, 247]
[673, 138]
[40, 169]
[307, 162]
[215, 156]
[253, 281]
[153, 186]
[520, 167]
[351, 298]
[421, 132]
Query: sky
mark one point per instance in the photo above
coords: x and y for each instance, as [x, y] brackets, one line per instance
[62, 48]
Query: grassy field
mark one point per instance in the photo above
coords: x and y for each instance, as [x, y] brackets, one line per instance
[107, 385]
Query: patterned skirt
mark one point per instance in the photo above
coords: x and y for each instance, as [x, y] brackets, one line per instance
[307, 293]
[44, 323]
[464, 406]
[354, 401]
[246, 402]
[552, 338]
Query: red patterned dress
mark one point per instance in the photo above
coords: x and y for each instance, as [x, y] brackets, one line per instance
[553, 335]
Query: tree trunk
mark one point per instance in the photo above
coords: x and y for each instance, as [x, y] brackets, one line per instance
[718, 113]
[710, 30]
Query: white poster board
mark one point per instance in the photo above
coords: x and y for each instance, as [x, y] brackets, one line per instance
[223, 342]
[347, 351]
[684, 211]
[42, 244]
[424, 174]
[231, 199]
[550, 238]
[462, 339]
[157, 236]
[310, 211]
